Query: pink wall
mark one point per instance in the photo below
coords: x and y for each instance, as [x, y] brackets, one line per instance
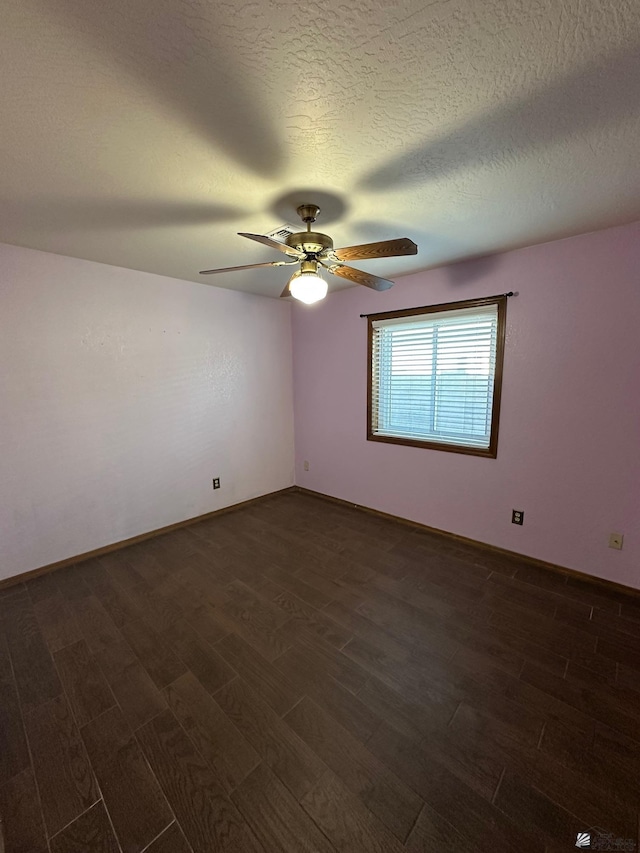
[569, 448]
[122, 394]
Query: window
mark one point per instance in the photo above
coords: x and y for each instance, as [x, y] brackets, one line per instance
[435, 376]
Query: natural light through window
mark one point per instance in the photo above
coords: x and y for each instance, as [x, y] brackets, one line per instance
[434, 376]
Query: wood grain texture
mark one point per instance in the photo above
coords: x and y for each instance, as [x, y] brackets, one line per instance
[136, 805]
[206, 815]
[89, 833]
[196, 654]
[285, 753]
[229, 755]
[14, 756]
[275, 817]
[433, 833]
[472, 814]
[171, 841]
[490, 701]
[84, 684]
[153, 653]
[280, 692]
[65, 779]
[380, 790]
[57, 622]
[36, 678]
[348, 824]
[22, 823]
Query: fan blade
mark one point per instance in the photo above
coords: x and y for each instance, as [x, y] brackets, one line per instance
[285, 292]
[273, 244]
[358, 276]
[249, 267]
[382, 249]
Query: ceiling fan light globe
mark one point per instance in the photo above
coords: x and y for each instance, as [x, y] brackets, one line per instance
[308, 287]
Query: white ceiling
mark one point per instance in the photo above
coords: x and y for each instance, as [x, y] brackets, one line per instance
[146, 133]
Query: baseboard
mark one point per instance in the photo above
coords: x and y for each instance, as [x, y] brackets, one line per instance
[602, 583]
[125, 543]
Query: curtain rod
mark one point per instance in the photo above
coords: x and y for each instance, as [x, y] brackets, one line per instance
[497, 296]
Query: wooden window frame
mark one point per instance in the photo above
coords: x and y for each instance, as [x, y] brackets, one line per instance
[491, 451]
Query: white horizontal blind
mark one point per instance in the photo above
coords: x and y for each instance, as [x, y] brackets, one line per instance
[433, 376]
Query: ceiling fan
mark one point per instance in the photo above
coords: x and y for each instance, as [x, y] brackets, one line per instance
[313, 251]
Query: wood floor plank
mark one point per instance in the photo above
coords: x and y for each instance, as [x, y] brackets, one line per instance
[72, 585]
[228, 753]
[255, 620]
[202, 659]
[349, 825]
[35, 675]
[159, 604]
[361, 627]
[433, 833]
[136, 805]
[85, 686]
[135, 692]
[65, 779]
[137, 695]
[118, 566]
[296, 633]
[275, 817]
[530, 807]
[22, 825]
[98, 629]
[203, 620]
[311, 654]
[154, 654]
[296, 765]
[14, 755]
[333, 588]
[313, 620]
[280, 692]
[120, 607]
[42, 587]
[381, 791]
[171, 841]
[483, 826]
[614, 710]
[57, 622]
[298, 586]
[207, 817]
[614, 768]
[408, 716]
[89, 833]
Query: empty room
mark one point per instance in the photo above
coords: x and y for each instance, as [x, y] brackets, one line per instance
[319, 426]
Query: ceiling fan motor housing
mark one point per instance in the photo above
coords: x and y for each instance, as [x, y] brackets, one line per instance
[310, 242]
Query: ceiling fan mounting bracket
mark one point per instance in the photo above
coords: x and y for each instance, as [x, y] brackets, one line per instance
[308, 212]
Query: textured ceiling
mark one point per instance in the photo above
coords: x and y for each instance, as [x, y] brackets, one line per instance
[146, 134]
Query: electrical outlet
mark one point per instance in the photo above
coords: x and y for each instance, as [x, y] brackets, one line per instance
[216, 482]
[616, 540]
[305, 465]
[517, 516]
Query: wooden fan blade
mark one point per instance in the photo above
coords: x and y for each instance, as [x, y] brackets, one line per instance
[382, 249]
[248, 267]
[285, 292]
[273, 244]
[359, 277]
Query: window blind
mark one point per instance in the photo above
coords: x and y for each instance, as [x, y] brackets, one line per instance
[433, 376]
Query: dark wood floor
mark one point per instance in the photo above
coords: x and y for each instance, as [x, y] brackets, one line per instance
[300, 676]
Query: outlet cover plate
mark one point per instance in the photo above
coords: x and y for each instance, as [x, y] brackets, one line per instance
[616, 540]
